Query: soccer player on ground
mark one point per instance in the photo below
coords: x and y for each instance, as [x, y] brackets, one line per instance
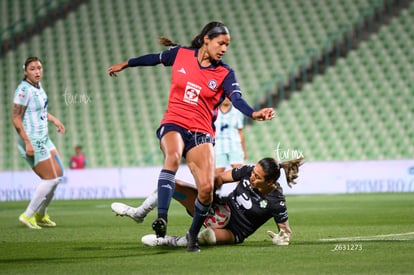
[230, 148]
[30, 118]
[200, 82]
[257, 198]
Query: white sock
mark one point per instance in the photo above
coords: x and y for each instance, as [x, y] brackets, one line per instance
[173, 241]
[41, 196]
[148, 205]
[43, 208]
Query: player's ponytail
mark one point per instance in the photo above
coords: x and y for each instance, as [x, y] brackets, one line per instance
[291, 169]
[272, 168]
[166, 42]
[197, 42]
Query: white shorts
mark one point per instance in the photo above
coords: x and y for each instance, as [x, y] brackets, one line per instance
[227, 159]
[42, 147]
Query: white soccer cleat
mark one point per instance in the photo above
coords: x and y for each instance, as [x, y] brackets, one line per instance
[121, 209]
[152, 240]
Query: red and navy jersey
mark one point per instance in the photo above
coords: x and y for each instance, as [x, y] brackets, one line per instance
[196, 92]
[249, 208]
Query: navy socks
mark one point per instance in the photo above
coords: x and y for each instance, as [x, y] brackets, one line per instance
[200, 214]
[166, 185]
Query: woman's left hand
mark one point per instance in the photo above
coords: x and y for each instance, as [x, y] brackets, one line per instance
[60, 127]
[264, 114]
[115, 68]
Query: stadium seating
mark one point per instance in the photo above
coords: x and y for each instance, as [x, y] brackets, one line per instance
[359, 110]
[348, 113]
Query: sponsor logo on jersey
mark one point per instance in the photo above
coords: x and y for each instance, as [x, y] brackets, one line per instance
[191, 93]
[246, 183]
[182, 71]
[245, 201]
[223, 127]
[43, 151]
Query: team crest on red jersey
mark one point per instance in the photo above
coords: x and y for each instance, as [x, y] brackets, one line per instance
[191, 93]
[212, 84]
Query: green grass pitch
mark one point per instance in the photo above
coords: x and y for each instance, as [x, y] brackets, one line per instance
[332, 234]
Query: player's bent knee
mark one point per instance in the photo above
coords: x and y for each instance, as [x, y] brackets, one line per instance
[172, 161]
[205, 194]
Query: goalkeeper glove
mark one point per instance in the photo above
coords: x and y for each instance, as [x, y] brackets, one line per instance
[281, 238]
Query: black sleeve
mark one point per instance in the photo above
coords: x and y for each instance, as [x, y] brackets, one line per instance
[241, 172]
[281, 214]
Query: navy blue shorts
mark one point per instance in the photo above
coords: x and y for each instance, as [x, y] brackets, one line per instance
[191, 139]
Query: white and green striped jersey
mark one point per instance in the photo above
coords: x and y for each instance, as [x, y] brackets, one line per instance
[227, 131]
[35, 100]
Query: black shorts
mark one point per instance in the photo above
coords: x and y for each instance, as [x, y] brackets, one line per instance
[191, 139]
[238, 234]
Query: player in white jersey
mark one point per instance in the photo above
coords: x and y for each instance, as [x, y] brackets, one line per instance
[30, 118]
[229, 148]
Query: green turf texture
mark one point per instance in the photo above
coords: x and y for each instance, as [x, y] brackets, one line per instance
[90, 239]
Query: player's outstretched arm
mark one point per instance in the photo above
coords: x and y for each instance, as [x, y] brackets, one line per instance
[264, 114]
[283, 236]
[222, 178]
[115, 68]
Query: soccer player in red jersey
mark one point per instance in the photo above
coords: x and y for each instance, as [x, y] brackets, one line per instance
[200, 82]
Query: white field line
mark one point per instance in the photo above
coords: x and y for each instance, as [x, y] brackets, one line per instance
[398, 237]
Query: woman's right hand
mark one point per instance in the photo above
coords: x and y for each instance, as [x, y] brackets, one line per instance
[264, 114]
[29, 149]
[117, 68]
